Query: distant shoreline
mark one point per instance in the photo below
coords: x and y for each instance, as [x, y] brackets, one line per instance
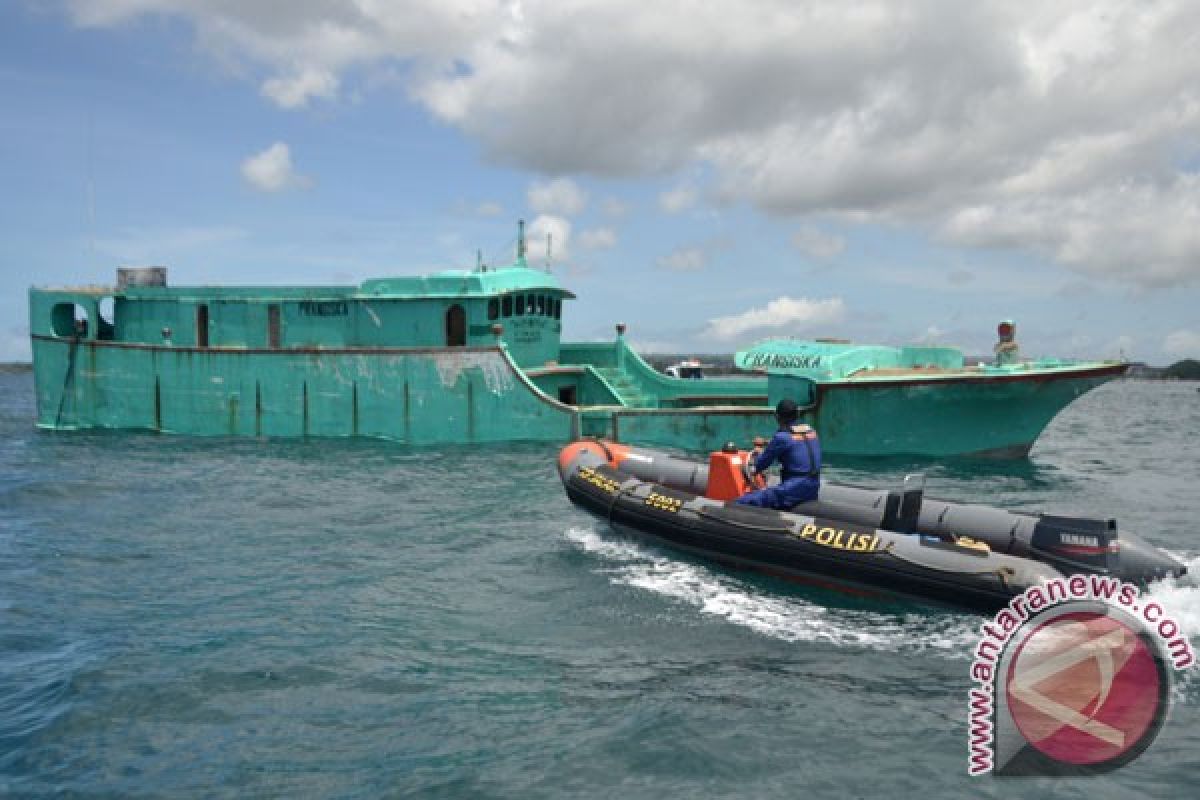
[1185, 370]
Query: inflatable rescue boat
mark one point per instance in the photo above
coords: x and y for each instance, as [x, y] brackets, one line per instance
[871, 541]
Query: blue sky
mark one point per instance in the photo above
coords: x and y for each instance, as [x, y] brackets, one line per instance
[712, 174]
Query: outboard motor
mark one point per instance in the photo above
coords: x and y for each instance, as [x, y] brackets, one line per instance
[1093, 545]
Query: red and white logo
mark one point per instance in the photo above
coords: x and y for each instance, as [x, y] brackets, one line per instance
[1072, 678]
[1086, 689]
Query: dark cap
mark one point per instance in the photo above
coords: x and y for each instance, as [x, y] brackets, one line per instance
[787, 409]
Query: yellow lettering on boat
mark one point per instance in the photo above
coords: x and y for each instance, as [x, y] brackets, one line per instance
[664, 503]
[599, 481]
[866, 543]
[850, 540]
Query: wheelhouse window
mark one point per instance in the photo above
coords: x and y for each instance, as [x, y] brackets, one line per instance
[105, 315]
[557, 307]
[494, 308]
[507, 304]
[69, 319]
[541, 305]
[520, 305]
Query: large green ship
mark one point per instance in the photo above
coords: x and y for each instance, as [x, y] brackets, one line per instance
[476, 356]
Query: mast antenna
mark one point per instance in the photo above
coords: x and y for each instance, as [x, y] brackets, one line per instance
[91, 190]
[520, 242]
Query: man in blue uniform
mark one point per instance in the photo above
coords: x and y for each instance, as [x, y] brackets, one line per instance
[798, 451]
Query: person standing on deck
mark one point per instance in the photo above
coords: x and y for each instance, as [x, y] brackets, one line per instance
[798, 451]
[1007, 351]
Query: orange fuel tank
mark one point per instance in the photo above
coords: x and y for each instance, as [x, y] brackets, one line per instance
[727, 475]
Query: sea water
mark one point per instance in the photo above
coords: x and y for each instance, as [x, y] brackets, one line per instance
[192, 617]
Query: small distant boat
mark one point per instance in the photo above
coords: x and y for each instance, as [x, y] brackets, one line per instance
[689, 369]
[868, 541]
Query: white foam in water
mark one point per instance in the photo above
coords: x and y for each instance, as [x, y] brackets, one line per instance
[791, 619]
[615, 549]
[1180, 599]
[794, 619]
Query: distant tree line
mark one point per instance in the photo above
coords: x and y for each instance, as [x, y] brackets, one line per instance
[1186, 370]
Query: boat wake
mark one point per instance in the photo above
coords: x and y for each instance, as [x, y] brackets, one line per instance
[780, 616]
[795, 619]
[1180, 597]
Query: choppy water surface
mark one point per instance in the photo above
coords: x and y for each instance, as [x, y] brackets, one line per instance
[196, 617]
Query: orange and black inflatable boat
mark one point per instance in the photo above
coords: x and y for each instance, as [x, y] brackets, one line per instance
[873, 541]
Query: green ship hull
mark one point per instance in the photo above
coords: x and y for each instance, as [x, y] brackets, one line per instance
[465, 357]
[994, 416]
[442, 395]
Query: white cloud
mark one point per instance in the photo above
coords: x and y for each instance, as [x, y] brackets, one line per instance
[674, 201]
[613, 207]
[598, 238]
[814, 242]
[1182, 344]
[272, 171]
[796, 316]
[548, 231]
[1147, 232]
[294, 91]
[1122, 347]
[654, 345]
[932, 335]
[685, 259]
[161, 245]
[1068, 128]
[560, 196]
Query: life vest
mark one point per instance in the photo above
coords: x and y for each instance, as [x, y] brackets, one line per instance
[805, 433]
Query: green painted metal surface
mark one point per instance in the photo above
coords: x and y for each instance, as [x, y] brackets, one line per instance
[412, 359]
[942, 418]
[477, 356]
[831, 361]
[416, 396]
